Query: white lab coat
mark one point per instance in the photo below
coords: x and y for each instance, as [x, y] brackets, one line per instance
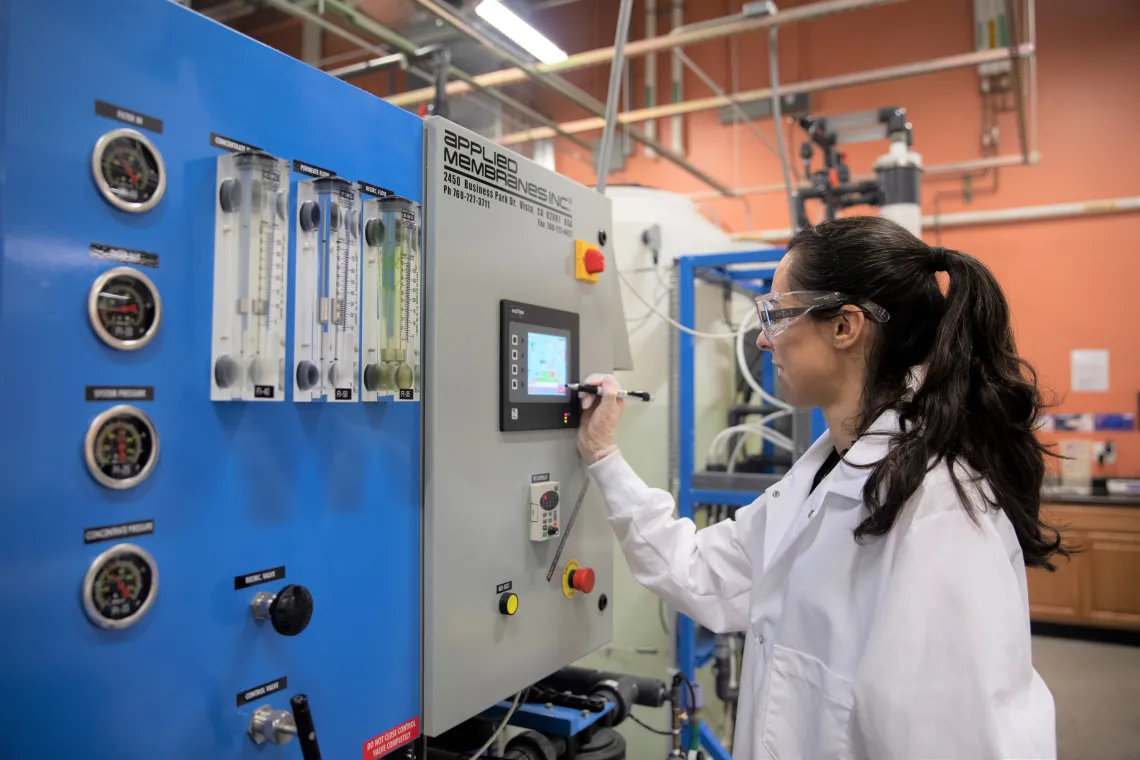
[909, 646]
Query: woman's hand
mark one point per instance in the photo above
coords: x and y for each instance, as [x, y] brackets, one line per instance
[597, 432]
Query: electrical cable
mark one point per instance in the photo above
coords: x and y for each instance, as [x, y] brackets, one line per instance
[695, 722]
[743, 361]
[648, 727]
[775, 437]
[670, 320]
[739, 447]
[506, 719]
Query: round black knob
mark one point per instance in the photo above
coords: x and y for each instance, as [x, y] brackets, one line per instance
[309, 215]
[226, 371]
[291, 610]
[307, 375]
[373, 377]
[229, 195]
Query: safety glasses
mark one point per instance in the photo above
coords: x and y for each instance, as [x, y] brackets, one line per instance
[779, 311]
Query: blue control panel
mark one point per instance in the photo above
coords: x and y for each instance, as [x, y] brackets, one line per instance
[171, 567]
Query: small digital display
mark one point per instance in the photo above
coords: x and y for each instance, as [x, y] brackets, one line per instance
[538, 355]
[546, 364]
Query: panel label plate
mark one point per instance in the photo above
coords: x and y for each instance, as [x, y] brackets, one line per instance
[540, 478]
[134, 118]
[261, 576]
[230, 144]
[369, 189]
[504, 587]
[259, 692]
[124, 255]
[311, 169]
[388, 741]
[114, 532]
[120, 393]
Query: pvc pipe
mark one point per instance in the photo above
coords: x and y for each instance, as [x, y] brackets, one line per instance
[933, 66]
[644, 47]
[958, 167]
[999, 216]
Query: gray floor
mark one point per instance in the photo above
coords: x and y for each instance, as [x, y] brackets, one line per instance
[1097, 691]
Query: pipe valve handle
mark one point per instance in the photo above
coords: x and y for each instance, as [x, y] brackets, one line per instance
[306, 731]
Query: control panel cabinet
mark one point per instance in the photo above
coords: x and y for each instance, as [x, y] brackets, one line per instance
[196, 566]
[508, 325]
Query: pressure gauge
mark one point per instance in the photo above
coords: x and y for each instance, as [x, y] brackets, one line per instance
[120, 586]
[124, 308]
[121, 447]
[128, 170]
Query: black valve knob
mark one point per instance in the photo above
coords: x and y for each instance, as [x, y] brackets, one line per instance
[303, 717]
[291, 610]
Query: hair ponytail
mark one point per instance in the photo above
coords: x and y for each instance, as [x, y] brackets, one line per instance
[978, 403]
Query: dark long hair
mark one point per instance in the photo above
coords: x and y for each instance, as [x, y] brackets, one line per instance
[979, 402]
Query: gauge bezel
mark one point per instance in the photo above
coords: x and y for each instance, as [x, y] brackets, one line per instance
[93, 309]
[118, 550]
[105, 187]
[89, 442]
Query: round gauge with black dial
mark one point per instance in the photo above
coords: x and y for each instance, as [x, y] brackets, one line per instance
[124, 308]
[120, 586]
[129, 170]
[121, 447]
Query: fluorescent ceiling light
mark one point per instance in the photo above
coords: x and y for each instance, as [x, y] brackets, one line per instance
[519, 31]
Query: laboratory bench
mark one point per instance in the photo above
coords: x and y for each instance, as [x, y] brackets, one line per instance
[1098, 586]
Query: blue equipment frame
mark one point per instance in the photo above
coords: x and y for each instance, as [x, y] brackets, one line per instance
[738, 271]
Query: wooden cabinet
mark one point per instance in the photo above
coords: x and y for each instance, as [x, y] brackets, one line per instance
[1100, 586]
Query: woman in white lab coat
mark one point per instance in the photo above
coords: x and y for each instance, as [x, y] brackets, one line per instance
[880, 584]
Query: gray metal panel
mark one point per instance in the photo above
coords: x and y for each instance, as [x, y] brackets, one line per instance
[477, 479]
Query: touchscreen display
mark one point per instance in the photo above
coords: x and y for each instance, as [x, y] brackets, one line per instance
[546, 364]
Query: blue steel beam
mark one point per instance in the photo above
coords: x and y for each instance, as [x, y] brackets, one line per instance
[711, 742]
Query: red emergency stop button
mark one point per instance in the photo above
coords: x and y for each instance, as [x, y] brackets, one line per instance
[582, 579]
[595, 261]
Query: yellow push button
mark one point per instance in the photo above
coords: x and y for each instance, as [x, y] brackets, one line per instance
[508, 603]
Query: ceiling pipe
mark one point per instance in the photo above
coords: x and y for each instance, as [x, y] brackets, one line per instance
[405, 46]
[370, 66]
[638, 48]
[997, 216]
[958, 167]
[936, 65]
[574, 93]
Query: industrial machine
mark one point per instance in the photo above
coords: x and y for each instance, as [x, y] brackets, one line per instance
[289, 482]
[895, 188]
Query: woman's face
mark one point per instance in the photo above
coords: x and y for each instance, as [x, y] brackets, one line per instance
[807, 365]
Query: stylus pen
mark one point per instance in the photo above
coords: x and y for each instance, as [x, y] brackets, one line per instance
[597, 391]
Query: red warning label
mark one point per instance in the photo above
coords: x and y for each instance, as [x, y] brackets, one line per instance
[391, 740]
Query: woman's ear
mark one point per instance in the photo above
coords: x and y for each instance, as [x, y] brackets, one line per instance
[848, 327]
